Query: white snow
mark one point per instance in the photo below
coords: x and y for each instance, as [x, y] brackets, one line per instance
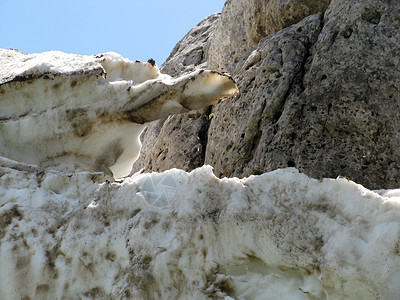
[74, 112]
[177, 235]
[120, 69]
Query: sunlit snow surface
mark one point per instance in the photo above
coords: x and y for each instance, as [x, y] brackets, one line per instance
[177, 235]
[75, 112]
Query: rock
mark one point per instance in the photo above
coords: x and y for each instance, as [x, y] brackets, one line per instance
[192, 51]
[266, 75]
[321, 95]
[332, 117]
[74, 112]
[180, 141]
[351, 97]
[177, 235]
[245, 22]
[177, 142]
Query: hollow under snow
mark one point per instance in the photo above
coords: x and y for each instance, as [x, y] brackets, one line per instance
[177, 235]
[74, 112]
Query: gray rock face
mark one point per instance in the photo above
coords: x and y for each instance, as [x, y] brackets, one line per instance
[177, 142]
[192, 51]
[325, 103]
[180, 141]
[268, 74]
[346, 120]
[245, 22]
[322, 95]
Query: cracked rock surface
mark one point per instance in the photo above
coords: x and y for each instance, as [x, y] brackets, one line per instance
[321, 95]
[244, 23]
[268, 74]
[180, 141]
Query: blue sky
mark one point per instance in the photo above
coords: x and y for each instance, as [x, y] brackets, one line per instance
[135, 29]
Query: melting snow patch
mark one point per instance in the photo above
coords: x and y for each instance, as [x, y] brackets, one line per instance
[72, 112]
[177, 235]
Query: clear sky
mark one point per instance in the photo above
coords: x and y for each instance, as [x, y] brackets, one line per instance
[135, 29]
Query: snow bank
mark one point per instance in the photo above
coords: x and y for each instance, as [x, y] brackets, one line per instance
[177, 235]
[74, 112]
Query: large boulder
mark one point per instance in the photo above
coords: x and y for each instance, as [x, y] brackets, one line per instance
[325, 101]
[321, 95]
[266, 77]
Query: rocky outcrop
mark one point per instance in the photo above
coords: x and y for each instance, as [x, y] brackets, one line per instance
[321, 95]
[324, 101]
[180, 141]
[193, 50]
[267, 77]
[244, 23]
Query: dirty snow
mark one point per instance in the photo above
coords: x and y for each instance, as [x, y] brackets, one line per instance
[177, 235]
[74, 112]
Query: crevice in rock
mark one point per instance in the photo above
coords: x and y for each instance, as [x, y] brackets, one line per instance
[308, 54]
[257, 137]
[303, 68]
[298, 79]
[279, 110]
[256, 140]
[203, 133]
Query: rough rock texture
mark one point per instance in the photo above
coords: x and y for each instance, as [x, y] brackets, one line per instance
[245, 22]
[192, 51]
[175, 235]
[268, 75]
[180, 141]
[328, 103]
[322, 95]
